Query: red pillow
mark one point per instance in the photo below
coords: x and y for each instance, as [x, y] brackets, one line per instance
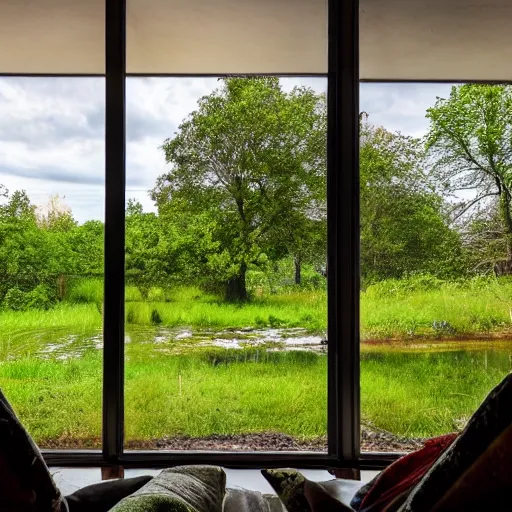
[404, 474]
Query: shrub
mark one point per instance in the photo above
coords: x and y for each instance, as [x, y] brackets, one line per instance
[41, 297]
[16, 300]
[85, 291]
[155, 317]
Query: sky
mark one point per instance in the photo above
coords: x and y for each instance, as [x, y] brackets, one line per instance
[52, 130]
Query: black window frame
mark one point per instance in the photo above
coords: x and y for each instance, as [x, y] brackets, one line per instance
[343, 408]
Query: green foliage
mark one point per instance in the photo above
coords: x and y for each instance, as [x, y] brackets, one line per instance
[40, 298]
[16, 300]
[404, 225]
[85, 291]
[470, 134]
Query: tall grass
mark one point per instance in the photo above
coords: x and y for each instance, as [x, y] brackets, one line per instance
[422, 394]
[406, 390]
[197, 394]
[430, 307]
[413, 394]
[393, 309]
[308, 310]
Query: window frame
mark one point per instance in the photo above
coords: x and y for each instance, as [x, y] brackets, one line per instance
[343, 416]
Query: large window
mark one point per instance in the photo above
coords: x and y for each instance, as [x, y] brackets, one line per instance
[51, 255]
[435, 262]
[435, 294]
[225, 138]
[226, 305]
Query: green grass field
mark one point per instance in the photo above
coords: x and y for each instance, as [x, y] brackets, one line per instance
[415, 386]
[412, 395]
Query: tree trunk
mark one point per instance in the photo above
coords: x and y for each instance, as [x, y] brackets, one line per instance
[297, 271]
[507, 217]
[236, 289]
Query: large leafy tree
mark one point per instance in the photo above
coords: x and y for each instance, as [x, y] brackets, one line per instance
[404, 225]
[470, 139]
[250, 164]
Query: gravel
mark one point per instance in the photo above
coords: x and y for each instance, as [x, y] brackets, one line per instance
[372, 440]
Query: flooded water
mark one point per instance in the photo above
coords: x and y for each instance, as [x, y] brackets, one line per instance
[59, 344]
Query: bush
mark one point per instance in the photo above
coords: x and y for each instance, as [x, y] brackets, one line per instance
[155, 317]
[40, 297]
[85, 291]
[16, 300]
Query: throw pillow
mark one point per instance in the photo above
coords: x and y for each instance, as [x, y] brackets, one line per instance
[102, 497]
[492, 417]
[180, 489]
[488, 480]
[25, 482]
[298, 494]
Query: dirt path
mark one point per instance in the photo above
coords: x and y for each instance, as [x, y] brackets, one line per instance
[370, 441]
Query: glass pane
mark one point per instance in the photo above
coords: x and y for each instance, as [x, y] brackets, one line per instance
[225, 249]
[435, 247]
[435, 40]
[226, 36]
[52, 36]
[51, 256]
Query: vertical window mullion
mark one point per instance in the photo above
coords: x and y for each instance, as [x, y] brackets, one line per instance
[343, 232]
[113, 306]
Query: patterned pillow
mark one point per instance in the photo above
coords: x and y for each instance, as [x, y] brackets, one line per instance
[486, 424]
[180, 489]
[25, 482]
[298, 494]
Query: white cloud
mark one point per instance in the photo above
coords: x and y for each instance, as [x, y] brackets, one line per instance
[52, 130]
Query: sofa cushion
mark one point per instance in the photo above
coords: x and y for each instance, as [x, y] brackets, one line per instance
[180, 489]
[25, 482]
[242, 500]
[320, 500]
[103, 496]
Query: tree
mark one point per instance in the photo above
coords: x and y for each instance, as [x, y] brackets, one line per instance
[404, 225]
[146, 261]
[86, 242]
[245, 162]
[470, 139]
[55, 215]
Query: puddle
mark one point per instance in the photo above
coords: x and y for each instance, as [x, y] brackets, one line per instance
[62, 346]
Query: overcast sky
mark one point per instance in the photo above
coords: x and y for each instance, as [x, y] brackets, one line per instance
[52, 130]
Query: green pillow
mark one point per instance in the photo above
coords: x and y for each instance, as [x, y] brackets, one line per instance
[298, 494]
[180, 489]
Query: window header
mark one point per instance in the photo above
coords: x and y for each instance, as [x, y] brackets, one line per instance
[448, 40]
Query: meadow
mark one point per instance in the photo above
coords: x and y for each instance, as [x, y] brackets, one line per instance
[424, 366]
